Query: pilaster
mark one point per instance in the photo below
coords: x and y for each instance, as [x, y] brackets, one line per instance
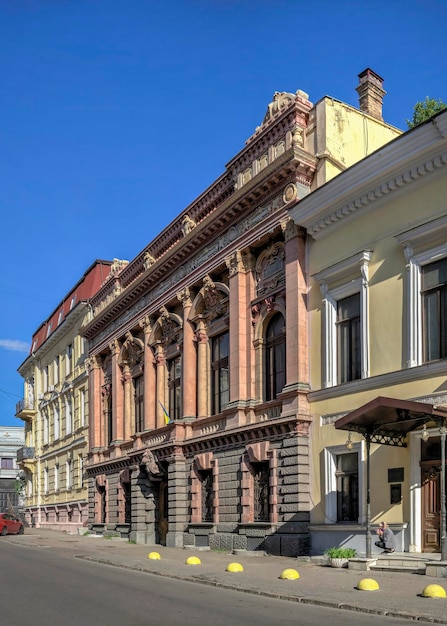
[150, 410]
[189, 386]
[241, 357]
[117, 394]
[297, 353]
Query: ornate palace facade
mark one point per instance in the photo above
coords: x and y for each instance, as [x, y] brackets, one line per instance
[199, 349]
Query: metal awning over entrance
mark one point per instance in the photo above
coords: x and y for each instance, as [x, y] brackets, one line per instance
[387, 421]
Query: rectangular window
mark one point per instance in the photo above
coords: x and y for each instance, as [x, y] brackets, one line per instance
[7, 463]
[82, 397]
[45, 378]
[261, 479]
[220, 382]
[175, 387]
[434, 307]
[348, 339]
[45, 428]
[45, 480]
[206, 477]
[56, 423]
[69, 359]
[347, 479]
[68, 417]
[56, 370]
[69, 474]
[139, 403]
[56, 478]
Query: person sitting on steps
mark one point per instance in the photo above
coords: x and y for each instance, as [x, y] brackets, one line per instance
[387, 540]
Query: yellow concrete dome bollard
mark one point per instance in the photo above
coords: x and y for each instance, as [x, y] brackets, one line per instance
[154, 556]
[193, 560]
[289, 574]
[234, 567]
[434, 591]
[368, 584]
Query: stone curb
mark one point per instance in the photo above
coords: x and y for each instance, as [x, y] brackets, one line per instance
[419, 617]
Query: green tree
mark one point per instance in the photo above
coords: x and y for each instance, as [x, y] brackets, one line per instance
[425, 109]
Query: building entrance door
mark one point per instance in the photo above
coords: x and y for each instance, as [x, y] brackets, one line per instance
[431, 494]
[431, 506]
[162, 512]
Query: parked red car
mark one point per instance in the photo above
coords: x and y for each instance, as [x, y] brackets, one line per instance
[10, 525]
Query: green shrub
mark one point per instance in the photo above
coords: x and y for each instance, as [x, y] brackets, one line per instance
[340, 553]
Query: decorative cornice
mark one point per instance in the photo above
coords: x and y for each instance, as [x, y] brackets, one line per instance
[392, 169]
[393, 184]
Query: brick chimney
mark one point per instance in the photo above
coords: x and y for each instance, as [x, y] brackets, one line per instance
[371, 92]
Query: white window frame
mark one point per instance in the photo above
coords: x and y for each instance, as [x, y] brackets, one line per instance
[331, 294]
[56, 477]
[330, 480]
[419, 238]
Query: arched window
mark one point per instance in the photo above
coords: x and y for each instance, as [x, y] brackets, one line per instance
[275, 357]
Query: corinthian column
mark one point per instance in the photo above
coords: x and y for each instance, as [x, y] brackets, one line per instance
[297, 367]
[117, 394]
[203, 360]
[241, 357]
[161, 384]
[95, 380]
[150, 411]
[189, 380]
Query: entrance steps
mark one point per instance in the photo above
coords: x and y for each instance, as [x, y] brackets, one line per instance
[409, 562]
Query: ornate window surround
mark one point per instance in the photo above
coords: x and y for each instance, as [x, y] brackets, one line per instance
[419, 250]
[353, 273]
[330, 481]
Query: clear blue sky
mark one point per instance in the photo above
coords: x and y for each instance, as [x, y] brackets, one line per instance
[116, 114]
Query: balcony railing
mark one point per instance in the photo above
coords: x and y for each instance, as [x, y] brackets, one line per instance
[25, 453]
[24, 405]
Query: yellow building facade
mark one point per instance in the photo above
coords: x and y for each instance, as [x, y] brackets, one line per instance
[55, 412]
[377, 302]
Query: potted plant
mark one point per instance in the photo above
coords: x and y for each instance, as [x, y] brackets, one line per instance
[338, 557]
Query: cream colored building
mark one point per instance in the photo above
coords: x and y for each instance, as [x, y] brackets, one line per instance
[377, 300]
[55, 411]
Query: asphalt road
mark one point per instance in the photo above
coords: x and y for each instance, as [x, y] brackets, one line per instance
[41, 587]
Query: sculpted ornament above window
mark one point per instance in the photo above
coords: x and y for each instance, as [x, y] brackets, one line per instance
[215, 300]
[270, 269]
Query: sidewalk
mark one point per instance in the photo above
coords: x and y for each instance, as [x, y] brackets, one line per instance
[399, 594]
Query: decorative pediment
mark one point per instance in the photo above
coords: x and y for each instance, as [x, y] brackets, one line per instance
[281, 99]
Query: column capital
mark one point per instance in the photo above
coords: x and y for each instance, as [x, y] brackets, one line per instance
[291, 230]
[93, 362]
[184, 296]
[239, 261]
[145, 324]
[114, 347]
